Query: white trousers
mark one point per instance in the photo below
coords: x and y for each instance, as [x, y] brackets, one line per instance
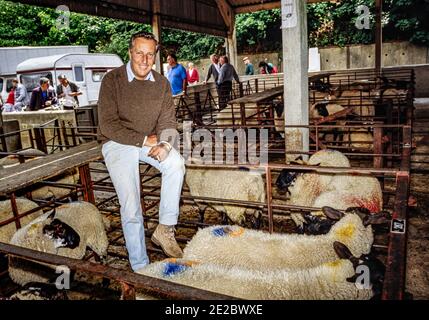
[122, 162]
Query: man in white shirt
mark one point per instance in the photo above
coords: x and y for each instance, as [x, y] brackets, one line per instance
[69, 91]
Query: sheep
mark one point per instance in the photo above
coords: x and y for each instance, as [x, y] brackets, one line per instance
[324, 109]
[239, 184]
[356, 138]
[363, 104]
[332, 280]
[49, 191]
[40, 291]
[232, 246]
[359, 138]
[12, 160]
[82, 217]
[23, 205]
[339, 190]
[71, 176]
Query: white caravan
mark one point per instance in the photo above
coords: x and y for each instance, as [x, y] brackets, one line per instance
[85, 70]
[10, 57]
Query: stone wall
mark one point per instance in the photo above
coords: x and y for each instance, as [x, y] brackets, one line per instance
[336, 58]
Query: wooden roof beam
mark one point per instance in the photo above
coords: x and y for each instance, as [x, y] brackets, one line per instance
[227, 13]
[268, 6]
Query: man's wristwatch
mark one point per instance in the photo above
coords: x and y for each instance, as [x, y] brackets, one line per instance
[165, 144]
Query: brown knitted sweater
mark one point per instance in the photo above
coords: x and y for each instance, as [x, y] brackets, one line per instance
[129, 111]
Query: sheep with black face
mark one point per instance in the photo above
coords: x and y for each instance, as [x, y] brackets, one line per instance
[330, 280]
[232, 246]
[341, 191]
[67, 231]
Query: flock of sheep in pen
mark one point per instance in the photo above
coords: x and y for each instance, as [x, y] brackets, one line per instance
[320, 262]
[355, 103]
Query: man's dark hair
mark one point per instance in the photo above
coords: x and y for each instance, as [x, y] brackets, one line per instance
[225, 58]
[142, 34]
[173, 55]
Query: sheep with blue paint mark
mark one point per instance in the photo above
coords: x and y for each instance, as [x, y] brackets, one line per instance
[331, 280]
[234, 246]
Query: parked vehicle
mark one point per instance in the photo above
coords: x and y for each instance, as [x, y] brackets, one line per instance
[10, 57]
[85, 70]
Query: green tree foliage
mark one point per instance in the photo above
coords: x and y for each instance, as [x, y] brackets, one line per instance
[328, 24]
[259, 31]
[334, 23]
[408, 19]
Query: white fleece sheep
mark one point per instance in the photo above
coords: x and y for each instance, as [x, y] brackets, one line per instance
[23, 205]
[227, 184]
[257, 250]
[362, 102]
[326, 281]
[308, 186]
[357, 139]
[48, 191]
[83, 217]
[340, 191]
[13, 160]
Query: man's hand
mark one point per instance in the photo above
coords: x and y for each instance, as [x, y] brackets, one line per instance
[159, 152]
[151, 141]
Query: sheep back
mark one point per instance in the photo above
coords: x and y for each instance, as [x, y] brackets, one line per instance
[69, 177]
[7, 231]
[327, 281]
[234, 246]
[83, 217]
[31, 237]
[227, 184]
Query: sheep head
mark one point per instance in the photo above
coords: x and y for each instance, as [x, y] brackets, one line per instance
[61, 233]
[376, 268]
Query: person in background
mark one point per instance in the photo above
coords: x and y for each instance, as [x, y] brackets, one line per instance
[226, 75]
[42, 97]
[249, 67]
[192, 75]
[22, 97]
[68, 90]
[10, 101]
[176, 75]
[214, 68]
[265, 68]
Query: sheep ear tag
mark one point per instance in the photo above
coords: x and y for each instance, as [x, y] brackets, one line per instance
[228, 231]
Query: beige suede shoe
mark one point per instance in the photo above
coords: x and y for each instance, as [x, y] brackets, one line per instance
[163, 236]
